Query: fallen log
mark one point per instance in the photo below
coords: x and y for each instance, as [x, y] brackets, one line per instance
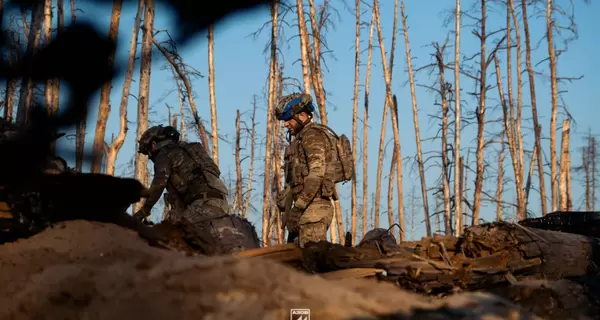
[586, 223]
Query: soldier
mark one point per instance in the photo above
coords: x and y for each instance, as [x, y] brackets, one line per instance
[314, 162]
[195, 191]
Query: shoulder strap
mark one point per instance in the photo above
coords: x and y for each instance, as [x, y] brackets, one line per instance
[321, 127]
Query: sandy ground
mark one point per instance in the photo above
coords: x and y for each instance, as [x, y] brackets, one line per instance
[88, 270]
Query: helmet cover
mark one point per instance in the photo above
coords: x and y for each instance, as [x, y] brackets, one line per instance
[293, 104]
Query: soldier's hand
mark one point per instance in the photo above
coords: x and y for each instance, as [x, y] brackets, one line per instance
[140, 215]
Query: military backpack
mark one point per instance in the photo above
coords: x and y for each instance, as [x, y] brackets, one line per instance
[341, 169]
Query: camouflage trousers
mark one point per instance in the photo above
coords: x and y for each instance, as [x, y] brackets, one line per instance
[230, 233]
[312, 224]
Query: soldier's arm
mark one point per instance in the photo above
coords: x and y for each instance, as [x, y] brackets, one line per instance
[314, 144]
[162, 171]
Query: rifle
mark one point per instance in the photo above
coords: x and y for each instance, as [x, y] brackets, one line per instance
[287, 193]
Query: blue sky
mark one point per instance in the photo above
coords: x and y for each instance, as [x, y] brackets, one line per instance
[242, 69]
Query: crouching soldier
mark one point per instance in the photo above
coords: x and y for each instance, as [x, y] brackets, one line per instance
[192, 180]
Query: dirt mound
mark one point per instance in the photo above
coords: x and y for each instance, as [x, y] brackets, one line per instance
[89, 270]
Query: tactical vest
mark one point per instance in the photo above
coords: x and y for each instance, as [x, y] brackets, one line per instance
[194, 172]
[339, 165]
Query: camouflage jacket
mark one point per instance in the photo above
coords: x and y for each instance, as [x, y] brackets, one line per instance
[307, 159]
[183, 174]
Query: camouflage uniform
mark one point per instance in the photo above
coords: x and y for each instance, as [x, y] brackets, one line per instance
[197, 194]
[312, 191]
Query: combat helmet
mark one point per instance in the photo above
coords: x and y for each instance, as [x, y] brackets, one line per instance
[293, 104]
[156, 134]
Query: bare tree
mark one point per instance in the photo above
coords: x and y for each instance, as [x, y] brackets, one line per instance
[393, 111]
[416, 124]
[238, 166]
[457, 112]
[251, 166]
[33, 43]
[212, 95]
[104, 107]
[365, 139]
[385, 107]
[536, 125]
[141, 162]
[113, 149]
[500, 185]
[271, 105]
[554, 96]
[180, 68]
[565, 202]
[355, 112]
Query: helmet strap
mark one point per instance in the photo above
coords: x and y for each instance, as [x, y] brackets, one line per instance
[300, 122]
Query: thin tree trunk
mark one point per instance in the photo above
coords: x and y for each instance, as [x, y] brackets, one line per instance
[438, 205]
[80, 127]
[385, 108]
[457, 111]
[315, 59]
[564, 166]
[115, 147]
[355, 113]
[461, 174]
[11, 83]
[593, 157]
[394, 114]
[445, 161]
[212, 95]
[141, 162]
[271, 105]
[238, 168]
[390, 191]
[500, 185]
[554, 90]
[306, 81]
[60, 21]
[24, 19]
[416, 124]
[529, 177]
[480, 117]
[538, 138]
[510, 135]
[365, 140]
[512, 127]
[33, 42]
[413, 213]
[104, 107]
[251, 166]
[49, 92]
[188, 87]
[585, 163]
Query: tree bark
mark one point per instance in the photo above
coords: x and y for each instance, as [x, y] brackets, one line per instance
[141, 162]
[365, 140]
[416, 124]
[394, 115]
[355, 112]
[457, 118]
[538, 138]
[212, 95]
[114, 148]
[104, 107]
[553, 113]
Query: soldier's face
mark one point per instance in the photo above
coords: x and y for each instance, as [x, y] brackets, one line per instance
[293, 126]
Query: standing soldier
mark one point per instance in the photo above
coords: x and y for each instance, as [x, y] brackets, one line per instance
[195, 190]
[315, 160]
